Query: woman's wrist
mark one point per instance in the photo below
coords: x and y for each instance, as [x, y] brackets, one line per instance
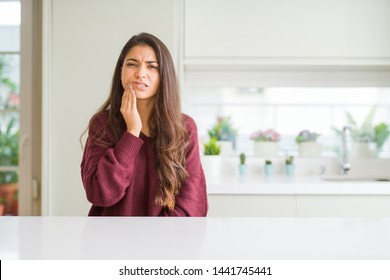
[135, 132]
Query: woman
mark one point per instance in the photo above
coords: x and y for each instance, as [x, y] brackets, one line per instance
[141, 157]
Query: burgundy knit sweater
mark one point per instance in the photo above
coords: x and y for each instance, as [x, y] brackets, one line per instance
[121, 180]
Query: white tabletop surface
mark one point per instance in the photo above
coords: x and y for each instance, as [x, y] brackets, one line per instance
[194, 238]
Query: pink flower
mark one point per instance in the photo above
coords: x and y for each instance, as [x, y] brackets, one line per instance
[13, 100]
[268, 135]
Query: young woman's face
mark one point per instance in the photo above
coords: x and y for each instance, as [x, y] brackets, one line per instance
[140, 68]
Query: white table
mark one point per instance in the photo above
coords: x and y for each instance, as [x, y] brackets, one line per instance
[194, 238]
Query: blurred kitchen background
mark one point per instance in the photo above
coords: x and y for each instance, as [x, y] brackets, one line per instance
[285, 66]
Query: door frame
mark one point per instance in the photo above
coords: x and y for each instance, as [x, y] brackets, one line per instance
[30, 108]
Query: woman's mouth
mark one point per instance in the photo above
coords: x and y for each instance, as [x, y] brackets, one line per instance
[140, 85]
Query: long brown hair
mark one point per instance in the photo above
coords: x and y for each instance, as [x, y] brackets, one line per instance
[167, 128]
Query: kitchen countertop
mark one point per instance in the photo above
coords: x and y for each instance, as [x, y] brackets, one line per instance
[194, 238]
[295, 185]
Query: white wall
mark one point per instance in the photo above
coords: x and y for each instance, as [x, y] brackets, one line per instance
[82, 41]
[322, 30]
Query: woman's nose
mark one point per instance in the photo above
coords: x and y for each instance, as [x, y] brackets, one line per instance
[141, 73]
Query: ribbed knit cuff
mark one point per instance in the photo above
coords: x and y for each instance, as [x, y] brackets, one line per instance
[127, 147]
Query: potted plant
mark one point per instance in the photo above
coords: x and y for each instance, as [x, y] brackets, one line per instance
[266, 142]
[307, 144]
[289, 167]
[9, 160]
[368, 139]
[243, 167]
[268, 167]
[211, 161]
[212, 148]
[224, 133]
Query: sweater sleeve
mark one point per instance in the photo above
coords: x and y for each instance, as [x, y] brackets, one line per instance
[192, 197]
[107, 171]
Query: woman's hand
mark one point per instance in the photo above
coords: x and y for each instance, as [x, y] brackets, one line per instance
[129, 111]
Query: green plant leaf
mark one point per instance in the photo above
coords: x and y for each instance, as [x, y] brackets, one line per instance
[351, 119]
[212, 148]
[381, 134]
[366, 132]
[369, 119]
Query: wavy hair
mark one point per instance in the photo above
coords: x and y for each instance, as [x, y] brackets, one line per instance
[167, 128]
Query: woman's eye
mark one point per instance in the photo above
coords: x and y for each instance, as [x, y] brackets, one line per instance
[131, 64]
[153, 67]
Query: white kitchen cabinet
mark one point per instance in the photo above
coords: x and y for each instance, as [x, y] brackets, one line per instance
[369, 206]
[298, 32]
[343, 206]
[251, 206]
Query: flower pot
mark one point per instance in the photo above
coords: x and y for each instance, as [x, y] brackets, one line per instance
[2, 209]
[309, 149]
[290, 169]
[266, 149]
[363, 150]
[243, 168]
[268, 169]
[211, 166]
[7, 192]
[226, 147]
[15, 208]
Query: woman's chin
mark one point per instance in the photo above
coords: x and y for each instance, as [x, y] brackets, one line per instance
[143, 95]
[139, 95]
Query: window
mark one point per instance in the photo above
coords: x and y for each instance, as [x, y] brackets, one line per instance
[9, 102]
[289, 110]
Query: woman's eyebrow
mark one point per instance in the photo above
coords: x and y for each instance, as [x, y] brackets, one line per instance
[136, 60]
[132, 59]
